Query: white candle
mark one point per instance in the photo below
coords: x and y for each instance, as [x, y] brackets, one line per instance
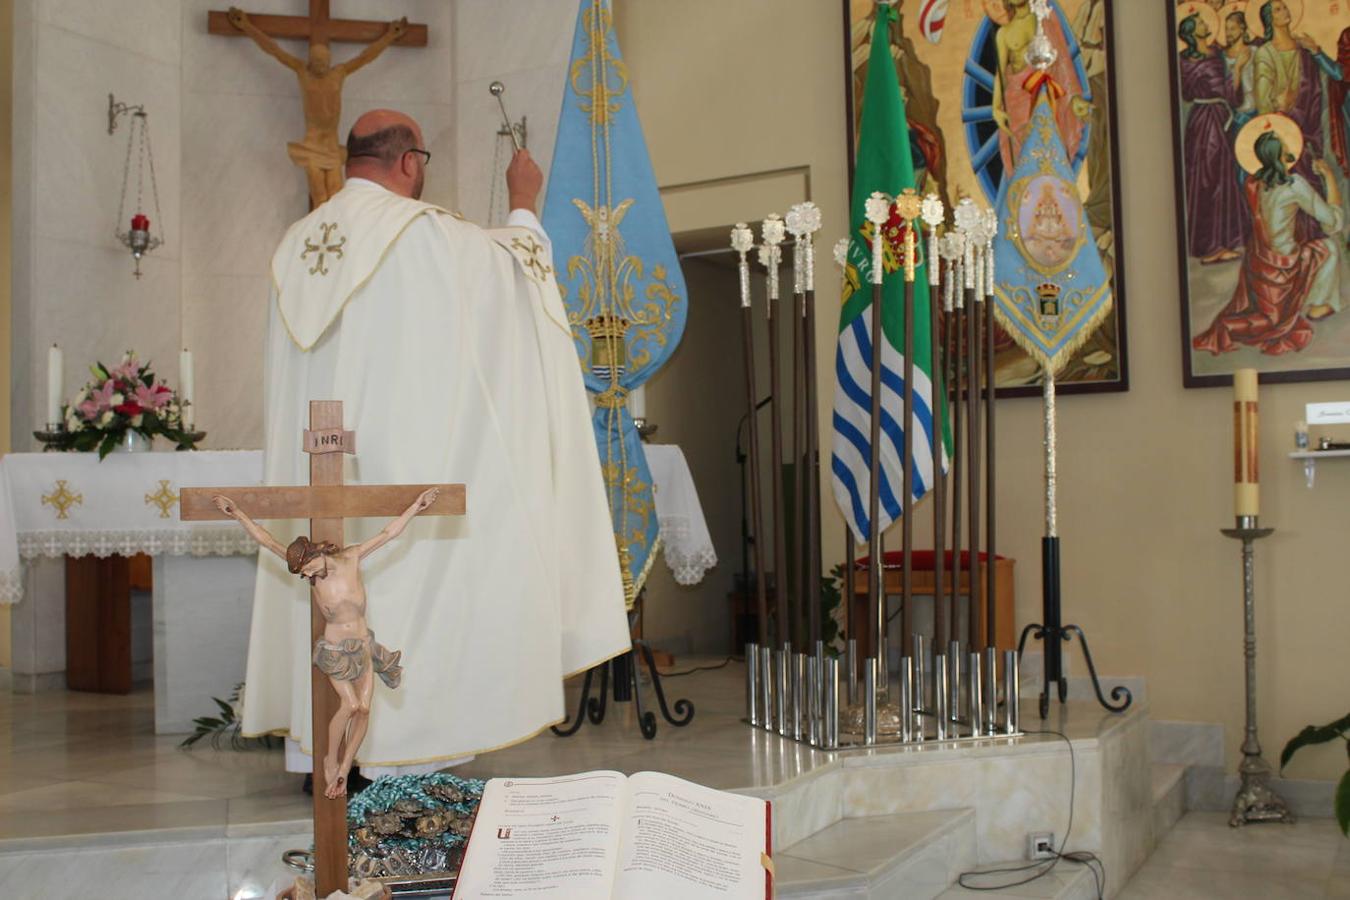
[637, 402]
[185, 388]
[55, 373]
[1246, 475]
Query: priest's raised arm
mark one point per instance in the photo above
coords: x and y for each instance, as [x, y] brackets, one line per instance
[450, 348]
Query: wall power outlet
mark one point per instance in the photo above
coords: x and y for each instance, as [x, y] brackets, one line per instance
[1041, 845]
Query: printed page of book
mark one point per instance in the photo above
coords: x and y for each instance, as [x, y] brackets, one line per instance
[683, 841]
[545, 837]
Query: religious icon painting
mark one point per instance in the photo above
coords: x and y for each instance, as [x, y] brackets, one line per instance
[1261, 130]
[969, 100]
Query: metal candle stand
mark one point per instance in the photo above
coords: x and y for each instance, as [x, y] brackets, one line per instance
[802, 700]
[1255, 800]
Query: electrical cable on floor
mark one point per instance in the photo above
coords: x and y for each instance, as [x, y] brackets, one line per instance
[722, 665]
[1043, 867]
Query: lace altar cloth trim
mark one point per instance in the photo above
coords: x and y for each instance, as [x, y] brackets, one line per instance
[689, 559]
[11, 586]
[199, 541]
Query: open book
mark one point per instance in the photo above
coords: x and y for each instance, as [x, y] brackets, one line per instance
[603, 835]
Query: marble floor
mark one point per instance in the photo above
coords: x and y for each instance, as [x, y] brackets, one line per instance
[93, 803]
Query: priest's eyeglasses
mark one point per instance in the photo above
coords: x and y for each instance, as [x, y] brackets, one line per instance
[426, 155]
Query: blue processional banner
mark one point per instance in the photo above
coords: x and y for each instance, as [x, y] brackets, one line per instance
[1051, 290]
[617, 269]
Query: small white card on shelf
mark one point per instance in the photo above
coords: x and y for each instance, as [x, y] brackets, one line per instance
[1329, 413]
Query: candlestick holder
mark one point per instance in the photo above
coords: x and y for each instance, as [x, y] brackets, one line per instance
[50, 436]
[1255, 800]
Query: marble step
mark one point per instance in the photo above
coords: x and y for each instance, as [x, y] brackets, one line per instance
[911, 855]
[1169, 797]
[1066, 881]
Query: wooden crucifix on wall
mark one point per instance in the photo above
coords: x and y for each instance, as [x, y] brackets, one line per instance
[349, 661]
[319, 153]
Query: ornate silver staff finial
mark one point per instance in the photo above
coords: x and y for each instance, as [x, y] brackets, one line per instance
[809, 215]
[793, 221]
[877, 210]
[742, 241]
[933, 213]
[773, 233]
[952, 247]
[1041, 54]
[841, 253]
[967, 217]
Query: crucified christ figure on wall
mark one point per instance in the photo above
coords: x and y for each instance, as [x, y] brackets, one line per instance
[319, 153]
[347, 653]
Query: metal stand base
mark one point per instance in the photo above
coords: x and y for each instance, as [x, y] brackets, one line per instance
[627, 687]
[1052, 633]
[1255, 801]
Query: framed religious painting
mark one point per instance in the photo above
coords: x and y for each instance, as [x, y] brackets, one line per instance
[963, 72]
[1261, 129]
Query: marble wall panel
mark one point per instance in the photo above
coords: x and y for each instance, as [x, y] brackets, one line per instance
[38, 623]
[147, 27]
[1128, 834]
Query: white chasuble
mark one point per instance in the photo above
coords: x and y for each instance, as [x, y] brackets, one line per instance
[450, 351]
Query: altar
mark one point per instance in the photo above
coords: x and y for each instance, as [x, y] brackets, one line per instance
[68, 520]
[67, 524]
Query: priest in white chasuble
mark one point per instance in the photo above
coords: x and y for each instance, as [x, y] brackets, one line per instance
[450, 350]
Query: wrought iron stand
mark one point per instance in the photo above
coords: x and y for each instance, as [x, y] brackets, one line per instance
[1255, 801]
[623, 670]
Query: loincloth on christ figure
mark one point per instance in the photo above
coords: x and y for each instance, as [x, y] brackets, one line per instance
[324, 157]
[347, 659]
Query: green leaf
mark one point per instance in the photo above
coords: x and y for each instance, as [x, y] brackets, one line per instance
[1313, 734]
[106, 446]
[1343, 803]
[226, 709]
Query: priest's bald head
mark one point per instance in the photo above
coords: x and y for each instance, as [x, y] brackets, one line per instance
[385, 146]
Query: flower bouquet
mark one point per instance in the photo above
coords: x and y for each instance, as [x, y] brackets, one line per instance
[124, 398]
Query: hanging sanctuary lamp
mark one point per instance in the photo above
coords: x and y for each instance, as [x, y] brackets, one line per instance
[137, 237]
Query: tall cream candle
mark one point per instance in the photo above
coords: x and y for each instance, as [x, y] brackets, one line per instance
[1246, 475]
[55, 385]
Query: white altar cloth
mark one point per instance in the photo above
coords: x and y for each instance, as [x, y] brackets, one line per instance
[71, 504]
[684, 532]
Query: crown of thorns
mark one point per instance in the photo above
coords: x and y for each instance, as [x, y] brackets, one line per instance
[303, 551]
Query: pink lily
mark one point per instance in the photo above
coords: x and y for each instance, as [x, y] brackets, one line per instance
[103, 397]
[151, 398]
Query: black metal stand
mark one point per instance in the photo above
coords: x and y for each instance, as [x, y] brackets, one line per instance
[623, 670]
[1052, 632]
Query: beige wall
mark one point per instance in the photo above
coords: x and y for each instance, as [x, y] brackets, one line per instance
[730, 90]
[6, 133]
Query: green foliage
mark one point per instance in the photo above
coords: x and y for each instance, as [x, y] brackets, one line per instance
[1321, 734]
[225, 727]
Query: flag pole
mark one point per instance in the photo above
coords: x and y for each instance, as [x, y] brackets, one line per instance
[955, 301]
[799, 595]
[770, 256]
[988, 230]
[808, 220]
[741, 241]
[878, 212]
[966, 218]
[908, 206]
[932, 215]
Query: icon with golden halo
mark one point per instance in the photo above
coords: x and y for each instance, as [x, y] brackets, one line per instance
[1205, 32]
[1283, 127]
[1279, 9]
[1236, 8]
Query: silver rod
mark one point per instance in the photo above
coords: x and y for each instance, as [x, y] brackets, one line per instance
[851, 666]
[766, 688]
[831, 699]
[1012, 687]
[813, 700]
[818, 695]
[884, 656]
[870, 701]
[991, 690]
[906, 692]
[752, 683]
[976, 699]
[799, 713]
[781, 661]
[920, 674]
[954, 681]
[940, 695]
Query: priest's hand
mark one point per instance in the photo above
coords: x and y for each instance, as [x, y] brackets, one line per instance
[523, 181]
[225, 505]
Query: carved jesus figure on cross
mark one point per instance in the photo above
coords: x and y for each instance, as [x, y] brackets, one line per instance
[348, 652]
[319, 153]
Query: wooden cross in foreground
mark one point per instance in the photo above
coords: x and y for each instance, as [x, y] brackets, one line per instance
[326, 502]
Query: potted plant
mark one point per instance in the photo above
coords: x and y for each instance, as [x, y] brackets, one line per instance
[1321, 734]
